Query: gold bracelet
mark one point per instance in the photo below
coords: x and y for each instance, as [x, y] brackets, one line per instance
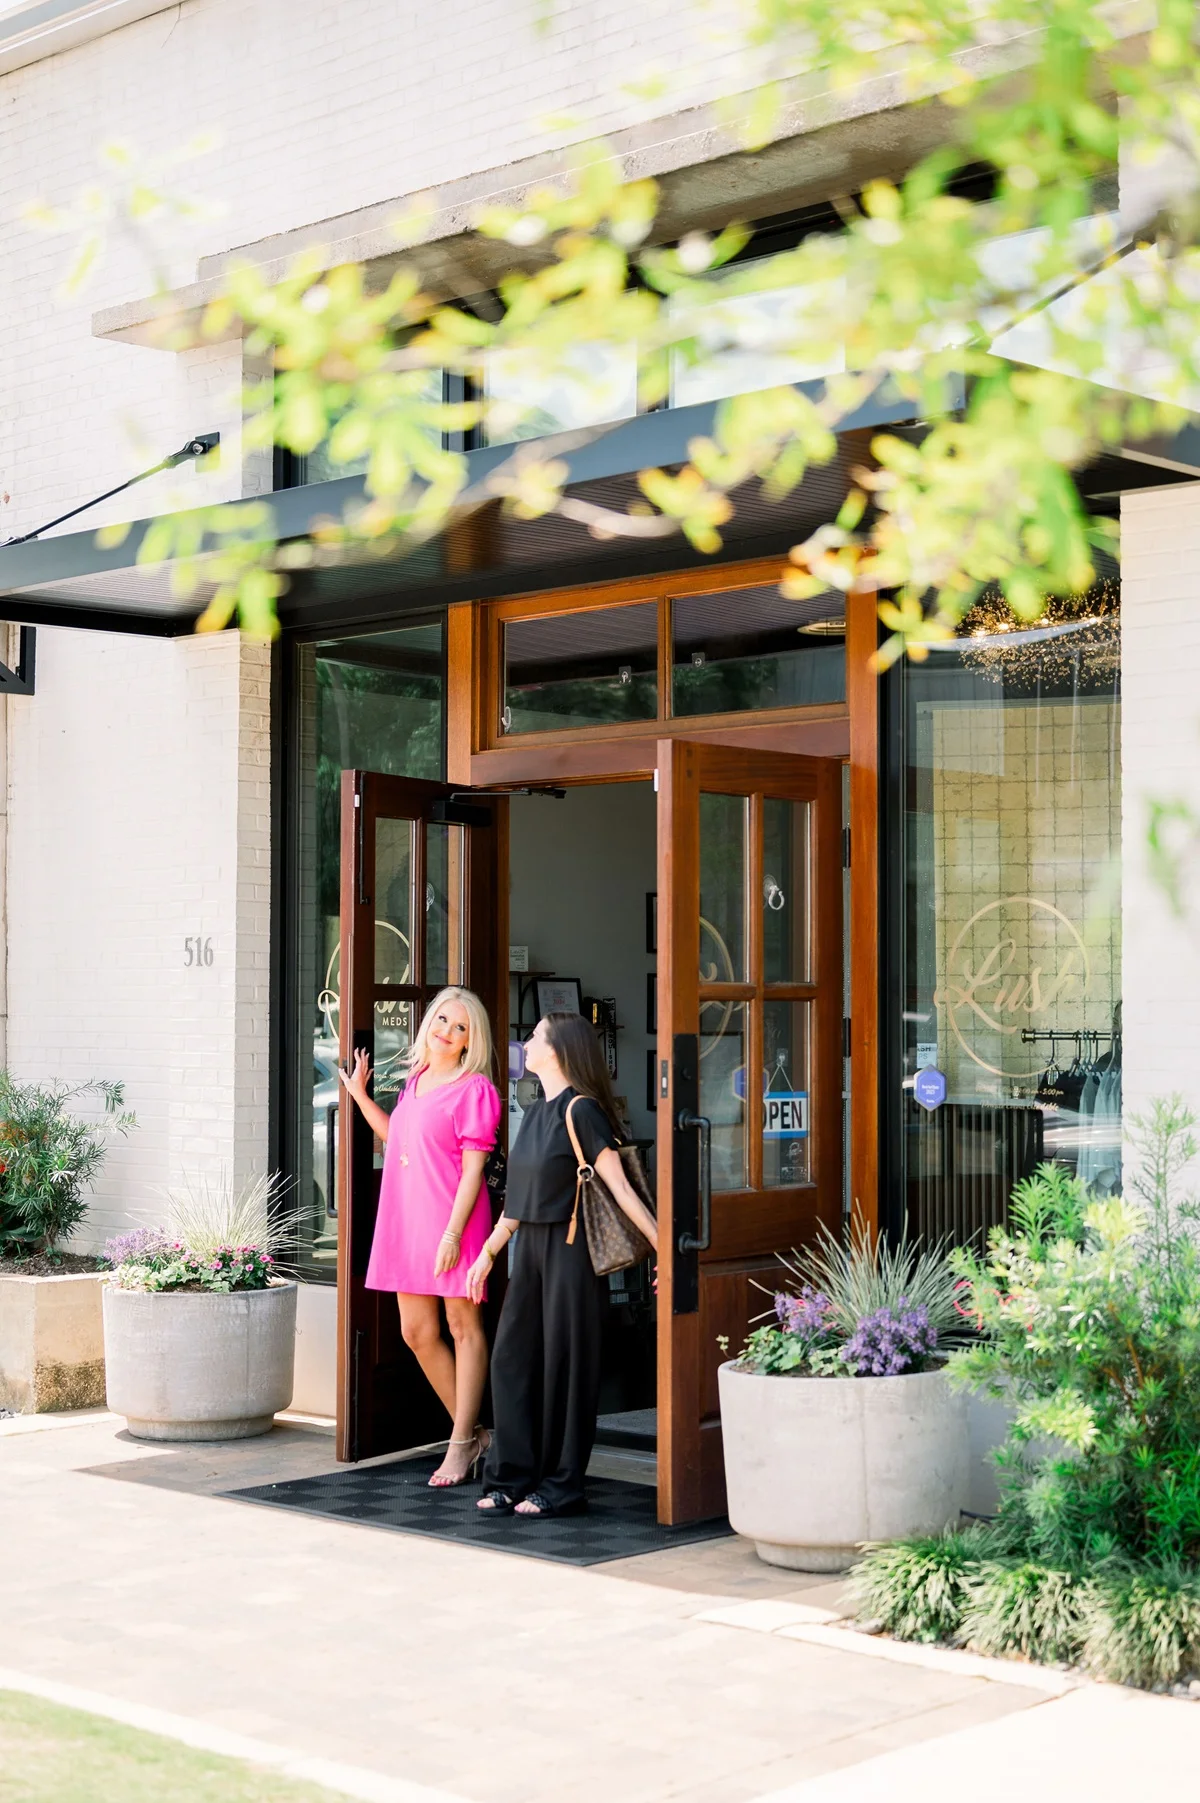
[451, 1233]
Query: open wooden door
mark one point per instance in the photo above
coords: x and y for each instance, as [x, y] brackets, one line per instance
[750, 1007]
[423, 904]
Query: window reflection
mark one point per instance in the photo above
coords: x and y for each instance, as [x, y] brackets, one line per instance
[1012, 924]
[750, 648]
[723, 1089]
[724, 850]
[748, 341]
[787, 1096]
[532, 396]
[581, 669]
[374, 703]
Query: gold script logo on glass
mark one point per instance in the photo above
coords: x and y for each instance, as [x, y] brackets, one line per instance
[1016, 963]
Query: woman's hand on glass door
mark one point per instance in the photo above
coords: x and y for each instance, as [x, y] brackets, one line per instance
[355, 1083]
[359, 1077]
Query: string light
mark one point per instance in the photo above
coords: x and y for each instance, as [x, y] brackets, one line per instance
[1077, 639]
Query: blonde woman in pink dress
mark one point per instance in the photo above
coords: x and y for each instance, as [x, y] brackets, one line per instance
[434, 1215]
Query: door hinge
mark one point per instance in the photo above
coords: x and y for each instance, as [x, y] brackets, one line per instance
[845, 848]
[845, 1036]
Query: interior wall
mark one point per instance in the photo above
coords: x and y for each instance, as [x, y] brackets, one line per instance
[580, 872]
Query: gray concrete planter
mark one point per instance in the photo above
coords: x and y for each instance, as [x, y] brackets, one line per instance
[51, 1342]
[187, 1366]
[816, 1466]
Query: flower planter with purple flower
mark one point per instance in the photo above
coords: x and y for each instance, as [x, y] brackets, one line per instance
[838, 1423]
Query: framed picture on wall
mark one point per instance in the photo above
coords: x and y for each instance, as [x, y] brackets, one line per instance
[558, 995]
[652, 923]
[651, 1001]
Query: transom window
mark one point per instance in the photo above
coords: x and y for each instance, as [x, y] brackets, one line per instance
[665, 654]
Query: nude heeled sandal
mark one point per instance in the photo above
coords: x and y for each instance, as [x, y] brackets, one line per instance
[452, 1483]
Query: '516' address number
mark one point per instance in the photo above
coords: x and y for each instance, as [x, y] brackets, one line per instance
[197, 951]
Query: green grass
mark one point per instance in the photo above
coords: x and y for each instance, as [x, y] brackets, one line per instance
[53, 1755]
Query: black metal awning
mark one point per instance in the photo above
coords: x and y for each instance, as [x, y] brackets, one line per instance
[72, 580]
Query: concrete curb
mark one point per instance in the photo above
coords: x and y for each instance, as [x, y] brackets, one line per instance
[820, 1627]
[349, 1780]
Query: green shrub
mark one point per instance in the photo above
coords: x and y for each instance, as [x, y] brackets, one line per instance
[1089, 1317]
[48, 1158]
[916, 1589]
[1143, 1626]
[1027, 1609]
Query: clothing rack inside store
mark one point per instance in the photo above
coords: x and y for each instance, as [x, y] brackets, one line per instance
[1076, 1036]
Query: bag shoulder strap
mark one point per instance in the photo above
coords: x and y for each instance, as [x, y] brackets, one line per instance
[575, 1145]
[582, 1166]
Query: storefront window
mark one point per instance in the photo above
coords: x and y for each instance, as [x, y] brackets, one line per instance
[582, 669]
[1009, 1002]
[372, 703]
[530, 396]
[749, 341]
[750, 648]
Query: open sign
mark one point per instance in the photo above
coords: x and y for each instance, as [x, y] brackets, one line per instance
[785, 1115]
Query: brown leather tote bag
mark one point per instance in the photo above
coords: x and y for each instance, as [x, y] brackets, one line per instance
[613, 1242]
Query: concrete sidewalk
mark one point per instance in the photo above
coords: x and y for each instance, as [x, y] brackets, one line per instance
[478, 1675]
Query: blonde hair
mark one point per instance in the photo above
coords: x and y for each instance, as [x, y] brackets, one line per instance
[477, 1056]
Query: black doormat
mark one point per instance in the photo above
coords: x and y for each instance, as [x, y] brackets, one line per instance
[619, 1524]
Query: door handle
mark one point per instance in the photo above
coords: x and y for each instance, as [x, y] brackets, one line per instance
[689, 1242]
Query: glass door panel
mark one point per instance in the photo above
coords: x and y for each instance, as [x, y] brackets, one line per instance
[749, 1040]
[723, 1043]
[724, 834]
[395, 1025]
[787, 939]
[786, 1130]
[395, 874]
[444, 865]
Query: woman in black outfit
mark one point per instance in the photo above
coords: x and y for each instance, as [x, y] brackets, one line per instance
[546, 1361]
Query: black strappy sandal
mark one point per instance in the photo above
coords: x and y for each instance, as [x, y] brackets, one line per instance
[544, 1509]
[496, 1502]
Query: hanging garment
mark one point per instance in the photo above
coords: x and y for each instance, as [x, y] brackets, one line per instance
[1086, 1165]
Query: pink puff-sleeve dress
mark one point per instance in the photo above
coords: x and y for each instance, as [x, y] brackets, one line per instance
[422, 1168]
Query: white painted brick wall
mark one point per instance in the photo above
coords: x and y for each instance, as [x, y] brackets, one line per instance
[139, 808]
[320, 108]
[1160, 737]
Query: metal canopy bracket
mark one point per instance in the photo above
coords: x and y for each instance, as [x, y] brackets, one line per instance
[20, 680]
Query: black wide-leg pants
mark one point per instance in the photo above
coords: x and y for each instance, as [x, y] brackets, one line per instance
[546, 1367]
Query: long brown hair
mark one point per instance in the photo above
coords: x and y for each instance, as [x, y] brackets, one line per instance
[573, 1041]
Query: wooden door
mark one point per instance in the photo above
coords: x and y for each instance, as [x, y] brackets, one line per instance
[750, 1008]
[423, 904]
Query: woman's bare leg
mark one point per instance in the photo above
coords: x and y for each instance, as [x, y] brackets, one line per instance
[470, 1362]
[421, 1327]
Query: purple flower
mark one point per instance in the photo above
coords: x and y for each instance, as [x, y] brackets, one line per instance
[805, 1315]
[887, 1345]
[136, 1247]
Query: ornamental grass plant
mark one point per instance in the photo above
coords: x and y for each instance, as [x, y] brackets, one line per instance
[1086, 1313]
[219, 1238]
[859, 1308]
